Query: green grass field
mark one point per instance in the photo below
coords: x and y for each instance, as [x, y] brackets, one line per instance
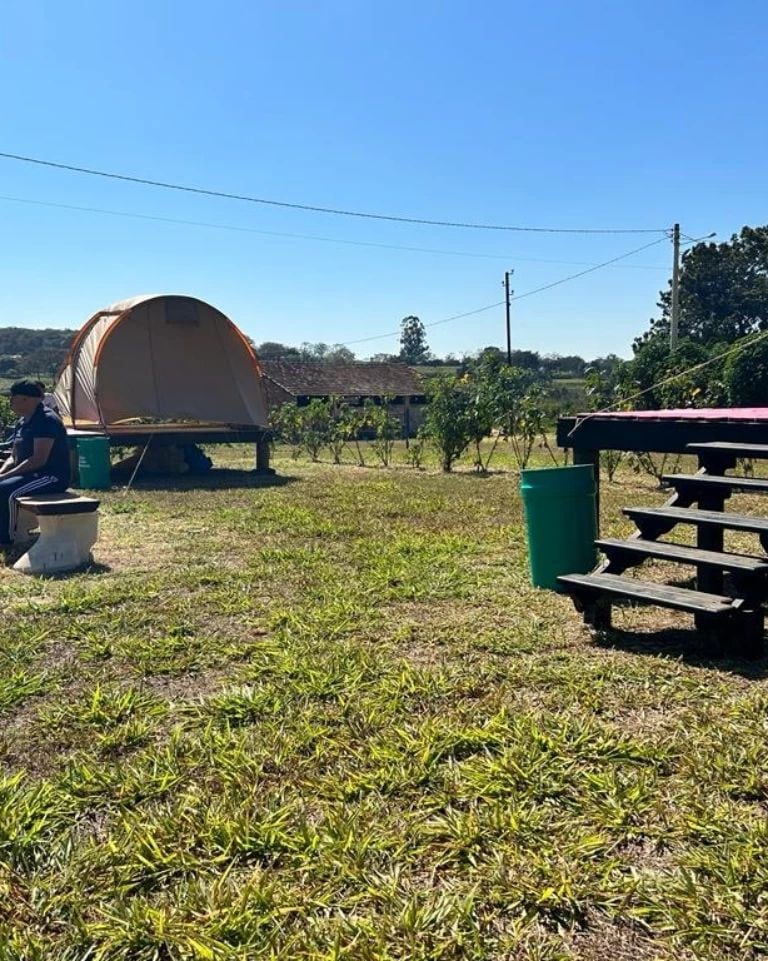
[329, 718]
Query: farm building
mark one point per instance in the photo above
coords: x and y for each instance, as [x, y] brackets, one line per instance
[300, 382]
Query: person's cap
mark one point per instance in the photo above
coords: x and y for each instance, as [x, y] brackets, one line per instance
[25, 388]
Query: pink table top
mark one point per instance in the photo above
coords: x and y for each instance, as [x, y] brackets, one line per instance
[725, 413]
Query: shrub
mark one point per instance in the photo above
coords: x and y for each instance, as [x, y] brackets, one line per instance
[448, 422]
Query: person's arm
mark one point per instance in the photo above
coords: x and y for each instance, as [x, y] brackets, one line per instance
[41, 451]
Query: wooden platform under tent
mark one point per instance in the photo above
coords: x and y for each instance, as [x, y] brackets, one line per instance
[167, 434]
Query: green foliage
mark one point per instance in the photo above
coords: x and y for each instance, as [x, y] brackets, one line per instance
[274, 350]
[386, 429]
[7, 416]
[415, 450]
[343, 425]
[286, 423]
[654, 364]
[333, 423]
[449, 421]
[37, 353]
[746, 376]
[315, 426]
[489, 399]
[723, 290]
[413, 341]
[508, 401]
[310, 428]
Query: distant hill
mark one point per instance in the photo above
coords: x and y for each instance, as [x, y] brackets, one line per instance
[26, 352]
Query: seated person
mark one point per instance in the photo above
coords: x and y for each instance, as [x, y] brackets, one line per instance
[39, 460]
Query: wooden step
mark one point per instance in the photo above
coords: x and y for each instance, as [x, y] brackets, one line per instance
[682, 554]
[643, 592]
[714, 482]
[683, 515]
[746, 451]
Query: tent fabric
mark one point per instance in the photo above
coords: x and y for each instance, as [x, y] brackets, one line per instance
[163, 357]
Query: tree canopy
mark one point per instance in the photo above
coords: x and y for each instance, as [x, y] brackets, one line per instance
[413, 341]
[723, 290]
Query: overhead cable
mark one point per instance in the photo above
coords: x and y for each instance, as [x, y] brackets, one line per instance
[313, 237]
[313, 208]
[527, 293]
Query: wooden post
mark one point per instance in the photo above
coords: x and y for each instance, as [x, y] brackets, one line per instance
[262, 455]
[407, 420]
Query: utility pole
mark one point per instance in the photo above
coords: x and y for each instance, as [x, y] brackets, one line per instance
[509, 332]
[674, 324]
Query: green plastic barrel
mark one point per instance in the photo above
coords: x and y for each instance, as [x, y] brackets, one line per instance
[561, 522]
[93, 464]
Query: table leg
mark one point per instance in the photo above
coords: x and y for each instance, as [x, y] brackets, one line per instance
[583, 455]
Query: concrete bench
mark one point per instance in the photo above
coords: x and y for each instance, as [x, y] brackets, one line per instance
[68, 528]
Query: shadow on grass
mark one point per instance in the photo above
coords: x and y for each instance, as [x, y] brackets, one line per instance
[90, 568]
[685, 646]
[219, 478]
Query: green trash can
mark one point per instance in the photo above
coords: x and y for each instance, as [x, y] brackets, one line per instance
[561, 520]
[93, 464]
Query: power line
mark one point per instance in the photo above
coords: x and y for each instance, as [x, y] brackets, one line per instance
[313, 237]
[527, 293]
[317, 209]
[435, 323]
[589, 270]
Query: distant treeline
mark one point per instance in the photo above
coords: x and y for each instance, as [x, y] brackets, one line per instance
[549, 365]
[26, 352]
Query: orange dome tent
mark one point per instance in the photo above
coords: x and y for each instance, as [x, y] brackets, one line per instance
[163, 357]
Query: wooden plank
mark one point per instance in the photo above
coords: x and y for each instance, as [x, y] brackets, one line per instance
[749, 485]
[683, 554]
[682, 515]
[748, 451]
[126, 435]
[643, 592]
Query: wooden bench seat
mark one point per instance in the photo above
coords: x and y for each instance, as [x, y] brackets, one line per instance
[643, 592]
[639, 549]
[710, 482]
[722, 621]
[655, 521]
[728, 450]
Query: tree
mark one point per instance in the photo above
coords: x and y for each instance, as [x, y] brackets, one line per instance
[557, 365]
[606, 365]
[325, 354]
[339, 354]
[273, 350]
[526, 359]
[491, 357]
[413, 341]
[448, 422]
[746, 376]
[654, 363]
[723, 290]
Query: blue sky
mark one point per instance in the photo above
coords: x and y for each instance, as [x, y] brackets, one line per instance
[562, 114]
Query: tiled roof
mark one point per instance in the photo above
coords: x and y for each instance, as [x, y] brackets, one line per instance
[343, 380]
